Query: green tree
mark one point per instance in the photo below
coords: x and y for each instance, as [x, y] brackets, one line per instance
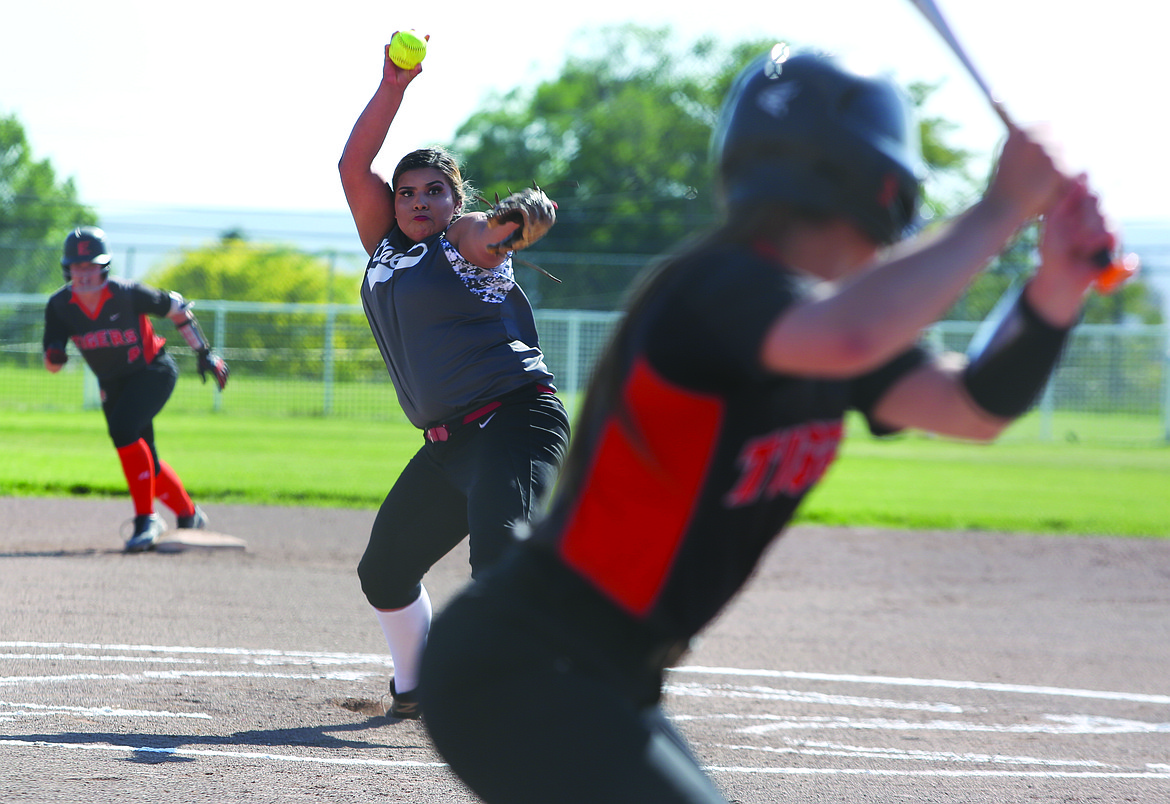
[281, 342]
[1135, 302]
[235, 269]
[621, 140]
[36, 212]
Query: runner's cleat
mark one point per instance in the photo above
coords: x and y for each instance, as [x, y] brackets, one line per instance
[147, 529]
[195, 520]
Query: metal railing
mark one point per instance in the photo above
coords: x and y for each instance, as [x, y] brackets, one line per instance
[320, 360]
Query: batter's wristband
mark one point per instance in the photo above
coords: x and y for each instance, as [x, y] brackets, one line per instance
[1007, 374]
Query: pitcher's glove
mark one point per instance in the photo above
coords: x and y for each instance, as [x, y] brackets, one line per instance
[211, 362]
[535, 213]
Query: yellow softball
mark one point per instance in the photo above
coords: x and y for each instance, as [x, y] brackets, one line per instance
[406, 49]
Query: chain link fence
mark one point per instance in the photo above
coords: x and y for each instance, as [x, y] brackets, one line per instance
[319, 360]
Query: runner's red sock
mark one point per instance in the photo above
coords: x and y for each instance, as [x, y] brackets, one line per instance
[138, 466]
[171, 491]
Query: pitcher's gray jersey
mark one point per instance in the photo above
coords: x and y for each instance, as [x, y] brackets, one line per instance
[452, 334]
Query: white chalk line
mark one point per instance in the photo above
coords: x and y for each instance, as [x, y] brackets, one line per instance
[1022, 689]
[688, 689]
[84, 657]
[1057, 725]
[943, 773]
[359, 761]
[382, 660]
[323, 657]
[825, 749]
[94, 711]
[156, 675]
[205, 752]
[1071, 725]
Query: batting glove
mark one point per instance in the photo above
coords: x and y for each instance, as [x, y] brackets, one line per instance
[209, 361]
[56, 355]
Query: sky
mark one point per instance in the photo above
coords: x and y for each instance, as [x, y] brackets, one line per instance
[244, 104]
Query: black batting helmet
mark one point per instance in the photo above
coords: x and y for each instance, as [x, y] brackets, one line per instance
[802, 131]
[85, 244]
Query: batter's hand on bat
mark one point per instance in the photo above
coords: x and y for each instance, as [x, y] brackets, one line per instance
[1074, 232]
[1029, 174]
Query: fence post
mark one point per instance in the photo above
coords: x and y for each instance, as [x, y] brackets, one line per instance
[1047, 404]
[573, 362]
[221, 339]
[1166, 383]
[91, 392]
[327, 378]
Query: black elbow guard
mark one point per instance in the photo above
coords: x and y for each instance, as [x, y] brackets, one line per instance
[1011, 359]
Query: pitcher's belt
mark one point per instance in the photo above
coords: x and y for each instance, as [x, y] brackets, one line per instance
[441, 432]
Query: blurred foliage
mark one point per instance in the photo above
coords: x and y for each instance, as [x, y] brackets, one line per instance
[1136, 302]
[280, 342]
[37, 210]
[621, 140]
[235, 269]
[619, 137]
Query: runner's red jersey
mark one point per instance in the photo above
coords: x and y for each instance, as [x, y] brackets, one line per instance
[117, 338]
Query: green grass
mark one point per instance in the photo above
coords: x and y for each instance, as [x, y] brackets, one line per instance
[908, 482]
[279, 460]
[917, 482]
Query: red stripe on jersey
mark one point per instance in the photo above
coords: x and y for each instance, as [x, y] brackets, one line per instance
[151, 343]
[641, 490]
[103, 297]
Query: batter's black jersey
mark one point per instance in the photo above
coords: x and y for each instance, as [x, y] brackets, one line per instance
[702, 456]
[116, 339]
[453, 335]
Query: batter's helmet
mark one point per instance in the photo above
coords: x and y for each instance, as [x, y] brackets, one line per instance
[85, 244]
[804, 132]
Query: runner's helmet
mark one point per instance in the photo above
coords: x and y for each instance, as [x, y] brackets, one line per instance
[85, 244]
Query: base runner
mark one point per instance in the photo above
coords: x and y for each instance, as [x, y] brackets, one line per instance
[108, 321]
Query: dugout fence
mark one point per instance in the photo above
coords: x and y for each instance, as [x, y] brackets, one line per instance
[319, 360]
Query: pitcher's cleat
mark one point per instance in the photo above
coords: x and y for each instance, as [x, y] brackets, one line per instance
[403, 705]
[147, 529]
[196, 520]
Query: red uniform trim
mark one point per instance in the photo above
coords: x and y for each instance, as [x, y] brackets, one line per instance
[151, 343]
[642, 489]
[105, 296]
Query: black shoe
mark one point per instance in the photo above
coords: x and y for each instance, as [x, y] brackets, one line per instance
[404, 705]
[195, 520]
[147, 529]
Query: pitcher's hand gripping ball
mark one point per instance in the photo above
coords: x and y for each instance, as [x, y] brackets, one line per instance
[406, 49]
[535, 213]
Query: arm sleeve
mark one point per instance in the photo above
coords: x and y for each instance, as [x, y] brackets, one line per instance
[56, 331]
[867, 390]
[153, 301]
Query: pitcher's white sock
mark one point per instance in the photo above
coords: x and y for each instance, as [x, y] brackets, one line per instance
[406, 632]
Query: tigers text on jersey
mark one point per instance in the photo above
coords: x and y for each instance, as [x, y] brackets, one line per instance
[117, 338]
[452, 334]
[702, 456]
